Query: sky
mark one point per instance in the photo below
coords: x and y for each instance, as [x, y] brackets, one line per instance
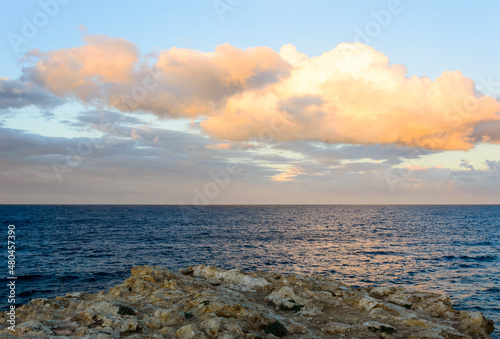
[249, 102]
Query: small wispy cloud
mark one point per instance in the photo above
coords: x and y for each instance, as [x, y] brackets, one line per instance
[466, 164]
[288, 175]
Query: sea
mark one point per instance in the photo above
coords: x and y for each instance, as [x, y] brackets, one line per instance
[451, 249]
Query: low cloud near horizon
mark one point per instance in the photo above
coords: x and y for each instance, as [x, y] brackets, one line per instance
[135, 163]
[349, 95]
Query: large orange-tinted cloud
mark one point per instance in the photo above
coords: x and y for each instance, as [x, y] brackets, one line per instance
[182, 82]
[348, 95]
[84, 70]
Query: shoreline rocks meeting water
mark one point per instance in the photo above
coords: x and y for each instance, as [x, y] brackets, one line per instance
[209, 302]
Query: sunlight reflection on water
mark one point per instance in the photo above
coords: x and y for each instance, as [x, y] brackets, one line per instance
[449, 249]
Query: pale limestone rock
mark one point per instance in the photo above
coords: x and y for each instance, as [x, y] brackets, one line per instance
[167, 331]
[212, 325]
[208, 302]
[471, 318]
[103, 336]
[294, 328]
[152, 322]
[106, 329]
[168, 317]
[111, 323]
[82, 331]
[189, 332]
[427, 334]
[113, 333]
[418, 322]
[376, 327]
[310, 311]
[336, 328]
[283, 297]
[134, 336]
[369, 303]
[129, 325]
[103, 308]
[227, 336]
[33, 327]
[75, 294]
[238, 280]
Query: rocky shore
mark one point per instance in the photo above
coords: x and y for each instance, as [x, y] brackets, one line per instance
[208, 302]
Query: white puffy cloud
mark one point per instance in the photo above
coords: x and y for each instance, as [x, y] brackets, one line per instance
[350, 95]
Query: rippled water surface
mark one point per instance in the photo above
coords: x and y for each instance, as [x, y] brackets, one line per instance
[449, 249]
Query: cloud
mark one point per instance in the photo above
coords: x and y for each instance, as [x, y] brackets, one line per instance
[85, 70]
[223, 145]
[102, 119]
[182, 81]
[332, 155]
[493, 165]
[240, 146]
[350, 95]
[164, 166]
[288, 175]
[353, 95]
[18, 94]
[487, 131]
[134, 135]
[465, 164]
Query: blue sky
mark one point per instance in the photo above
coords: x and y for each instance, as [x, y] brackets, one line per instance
[427, 36]
[63, 145]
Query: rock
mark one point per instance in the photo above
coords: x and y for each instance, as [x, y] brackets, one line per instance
[284, 297]
[475, 322]
[189, 332]
[336, 328]
[471, 318]
[103, 308]
[209, 302]
[129, 325]
[33, 327]
[235, 278]
[374, 326]
[75, 295]
[213, 326]
[168, 317]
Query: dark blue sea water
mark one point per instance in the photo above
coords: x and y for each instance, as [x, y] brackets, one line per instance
[449, 249]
